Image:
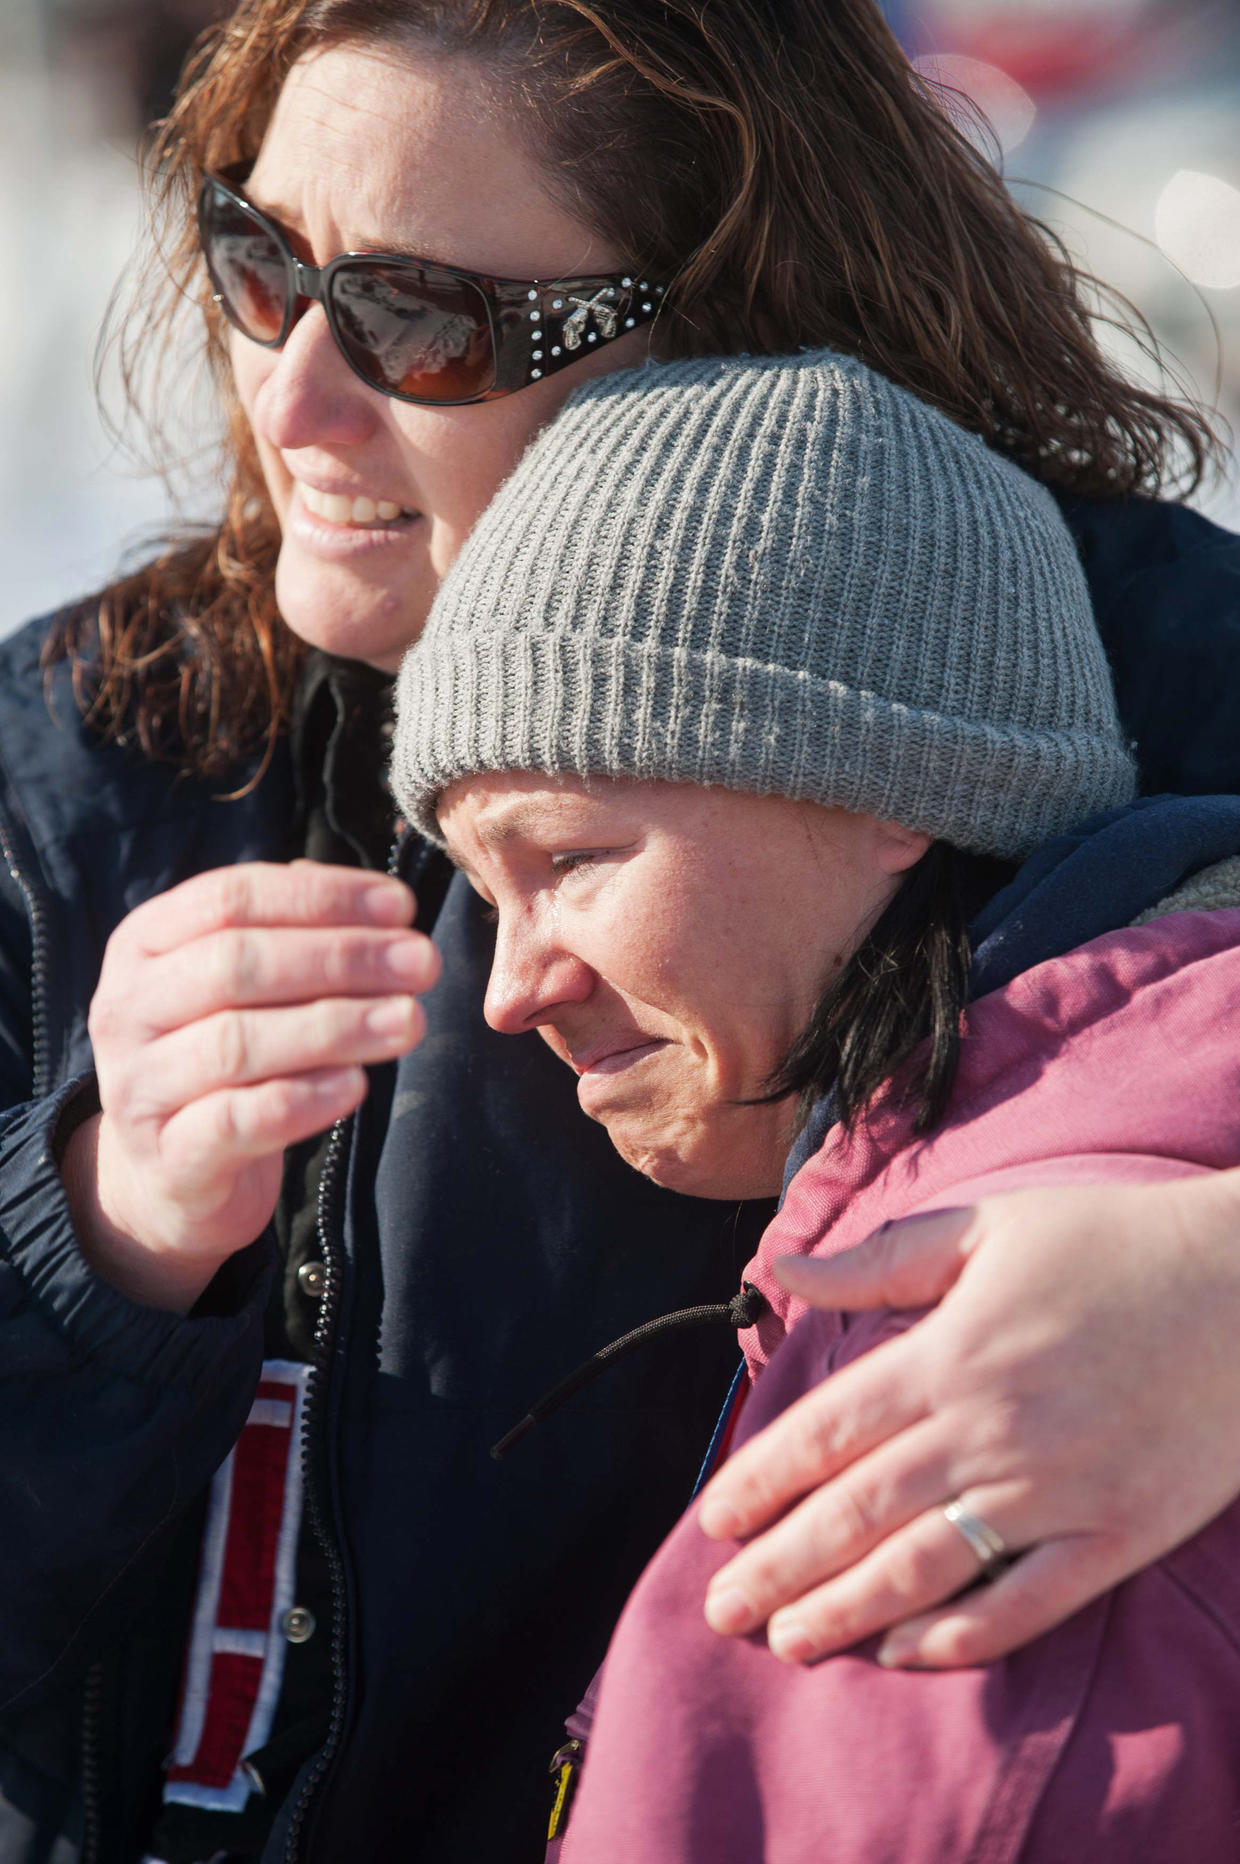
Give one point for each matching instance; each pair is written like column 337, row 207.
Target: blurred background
column 1115, row 121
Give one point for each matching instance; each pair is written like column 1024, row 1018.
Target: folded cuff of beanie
column 572, row 702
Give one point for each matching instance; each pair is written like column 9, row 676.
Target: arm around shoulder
column 710, row 1748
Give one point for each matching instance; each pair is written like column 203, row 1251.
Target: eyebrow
column 514, row 823
column 296, row 233
column 521, row 819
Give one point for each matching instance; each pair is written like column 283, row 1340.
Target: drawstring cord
column 741, row 1311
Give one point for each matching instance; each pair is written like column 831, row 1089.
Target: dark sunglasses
column 421, row 332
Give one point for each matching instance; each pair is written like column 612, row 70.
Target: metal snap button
column 311, row 1277
column 298, row 1624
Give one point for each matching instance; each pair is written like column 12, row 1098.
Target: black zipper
column 92, row 1772
column 330, row 1227
column 39, row 1057
column 317, row 1505
column 40, row 1085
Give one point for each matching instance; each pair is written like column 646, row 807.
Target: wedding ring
column 985, row 1542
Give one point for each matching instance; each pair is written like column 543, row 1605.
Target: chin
column 727, row 1173
column 344, row 613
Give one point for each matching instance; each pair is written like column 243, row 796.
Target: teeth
column 337, row 509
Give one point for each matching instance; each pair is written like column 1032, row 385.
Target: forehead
column 388, row 148
column 503, row 809
column 497, row 808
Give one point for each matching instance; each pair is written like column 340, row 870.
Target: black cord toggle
column 741, row 1311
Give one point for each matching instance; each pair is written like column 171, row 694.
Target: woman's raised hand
column 234, row 1016
column 1078, row 1385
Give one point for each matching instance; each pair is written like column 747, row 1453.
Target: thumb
column 911, row 1262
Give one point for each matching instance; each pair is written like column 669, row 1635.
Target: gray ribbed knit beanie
column 786, row 576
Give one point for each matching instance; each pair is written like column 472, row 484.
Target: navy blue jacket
column 482, row 1237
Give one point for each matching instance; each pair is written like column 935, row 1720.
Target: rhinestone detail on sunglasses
column 398, row 320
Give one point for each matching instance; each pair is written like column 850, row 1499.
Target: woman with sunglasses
column 242, row 1196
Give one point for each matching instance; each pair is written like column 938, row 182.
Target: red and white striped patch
column 235, row 1663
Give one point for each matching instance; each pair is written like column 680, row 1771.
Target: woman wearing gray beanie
column 766, row 708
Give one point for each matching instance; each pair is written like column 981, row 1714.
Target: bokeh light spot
column 1197, row 225
column 1006, row 104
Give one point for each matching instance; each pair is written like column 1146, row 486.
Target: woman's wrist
column 147, row 1273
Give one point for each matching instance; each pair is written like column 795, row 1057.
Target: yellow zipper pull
column 564, row 1769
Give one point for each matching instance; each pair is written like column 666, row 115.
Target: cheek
column 251, row 367
column 655, row 951
column 730, row 997
column 461, row 456
column 674, row 943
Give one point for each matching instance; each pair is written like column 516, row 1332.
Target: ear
column 896, row 848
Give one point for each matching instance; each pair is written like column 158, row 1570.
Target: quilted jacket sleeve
column 112, row 1416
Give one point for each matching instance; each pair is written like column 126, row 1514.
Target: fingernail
column 391, row 1017
column 728, row 1611
column 407, row 959
column 719, row 1521
column 789, row 1641
column 897, row 1653
column 387, row 904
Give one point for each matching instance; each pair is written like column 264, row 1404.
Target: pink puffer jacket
column 1113, row 1739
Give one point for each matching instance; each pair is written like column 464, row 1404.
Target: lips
column 611, row 1077
column 334, row 541
column 345, row 508
column 609, row 1057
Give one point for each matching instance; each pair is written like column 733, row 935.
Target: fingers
column 1038, row 1592
column 909, row 1263
column 238, row 1048
column 1028, row 1368
column 257, row 893
column 235, row 1016
column 831, row 1528
column 858, row 1407
column 203, row 1146
column 919, row 1566
column 245, row 967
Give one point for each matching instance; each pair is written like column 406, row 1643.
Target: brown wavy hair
column 779, row 160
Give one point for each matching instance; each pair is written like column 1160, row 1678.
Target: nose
column 310, row 396
column 532, row 977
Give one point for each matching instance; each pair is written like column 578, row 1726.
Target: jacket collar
column 1103, row 875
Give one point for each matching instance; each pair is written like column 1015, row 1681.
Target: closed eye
column 576, row 860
